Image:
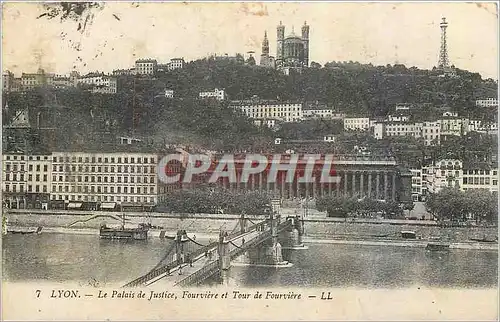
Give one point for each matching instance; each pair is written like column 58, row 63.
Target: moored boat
column 438, row 246
column 135, row 233
column 24, row 230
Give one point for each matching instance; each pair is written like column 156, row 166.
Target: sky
column 377, row 33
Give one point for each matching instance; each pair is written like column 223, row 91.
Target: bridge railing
column 201, row 274
column 164, row 269
column 212, row 266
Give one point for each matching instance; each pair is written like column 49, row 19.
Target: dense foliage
column 352, row 207
column 141, row 108
column 455, row 205
column 218, row 201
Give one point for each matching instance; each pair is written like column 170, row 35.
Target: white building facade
column 146, row 66
column 356, row 123
column 218, row 94
column 487, row 102
column 270, row 110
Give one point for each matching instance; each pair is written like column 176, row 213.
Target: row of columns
column 351, row 183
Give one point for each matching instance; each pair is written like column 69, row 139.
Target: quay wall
column 321, row 228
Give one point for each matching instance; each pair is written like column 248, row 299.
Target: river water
column 84, row 258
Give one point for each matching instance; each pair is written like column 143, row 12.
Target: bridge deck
column 201, row 262
column 203, row 266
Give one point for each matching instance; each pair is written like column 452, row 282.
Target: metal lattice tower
column 443, row 63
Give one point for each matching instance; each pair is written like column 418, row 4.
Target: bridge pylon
column 179, row 247
column 243, row 223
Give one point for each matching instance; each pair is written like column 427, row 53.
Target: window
column 45, row 168
column 30, row 167
column 45, row 177
column 37, row 178
column 495, row 182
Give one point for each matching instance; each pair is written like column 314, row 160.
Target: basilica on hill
column 292, row 51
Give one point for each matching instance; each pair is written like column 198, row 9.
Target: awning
column 137, row 204
column 75, row 205
column 108, row 205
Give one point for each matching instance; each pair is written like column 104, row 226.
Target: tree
column 454, row 205
column 250, row 61
column 315, row 65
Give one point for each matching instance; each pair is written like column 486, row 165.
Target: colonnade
column 375, row 184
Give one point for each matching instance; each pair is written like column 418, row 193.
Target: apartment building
column 322, row 114
column 26, row 180
column 431, row 132
column 105, row 177
column 403, row 129
column 270, row 110
column 444, row 173
column 176, row 63
column 356, row 123
column 454, row 126
column 479, row 176
column 487, row 102
column 417, row 190
column 99, row 83
column 169, row 93
column 146, row 66
column 218, row 94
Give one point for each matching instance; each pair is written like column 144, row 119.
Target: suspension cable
column 172, row 246
column 196, row 242
column 232, row 243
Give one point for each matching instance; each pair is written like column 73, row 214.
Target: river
column 84, row 258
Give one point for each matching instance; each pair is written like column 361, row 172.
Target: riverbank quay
column 317, row 229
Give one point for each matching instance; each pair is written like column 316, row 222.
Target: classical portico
column 373, row 177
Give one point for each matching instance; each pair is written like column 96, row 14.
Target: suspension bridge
column 188, row 262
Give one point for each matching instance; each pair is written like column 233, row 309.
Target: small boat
column 137, row 233
column 438, row 246
column 25, row 231
column 408, row 234
column 484, row 239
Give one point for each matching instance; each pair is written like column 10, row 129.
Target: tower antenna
column 443, row 62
